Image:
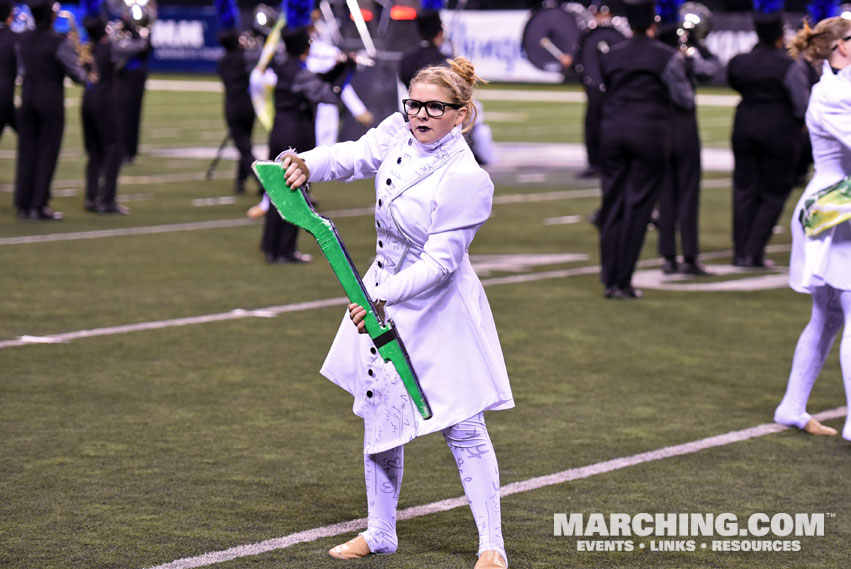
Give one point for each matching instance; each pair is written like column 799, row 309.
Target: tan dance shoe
column 256, row 212
column 490, row 560
column 352, row 549
column 813, row 427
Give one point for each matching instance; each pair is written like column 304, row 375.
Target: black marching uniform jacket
column 644, row 79
column 766, row 143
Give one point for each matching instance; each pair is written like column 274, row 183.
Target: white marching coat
column 825, row 259
column 430, row 201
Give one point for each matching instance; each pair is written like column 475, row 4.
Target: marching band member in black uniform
column 594, row 89
column 766, row 137
column 297, row 93
column 679, row 202
column 100, row 118
column 46, row 57
column 427, row 51
column 644, row 79
column 132, row 77
column 8, row 67
column 234, row 68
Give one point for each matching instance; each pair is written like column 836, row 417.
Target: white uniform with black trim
column 430, row 201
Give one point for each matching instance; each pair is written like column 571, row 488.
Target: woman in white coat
column 431, row 198
column 821, row 264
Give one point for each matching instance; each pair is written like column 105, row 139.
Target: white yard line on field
column 192, row 226
column 272, row 311
column 507, row 490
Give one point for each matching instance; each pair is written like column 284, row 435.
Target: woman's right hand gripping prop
column 296, row 172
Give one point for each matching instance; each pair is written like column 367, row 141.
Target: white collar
column 449, row 140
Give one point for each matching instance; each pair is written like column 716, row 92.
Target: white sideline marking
column 507, row 490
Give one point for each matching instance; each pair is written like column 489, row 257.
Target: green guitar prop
column 296, row 208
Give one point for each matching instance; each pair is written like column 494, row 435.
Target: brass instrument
column 84, row 52
column 130, row 19
column 696, row 22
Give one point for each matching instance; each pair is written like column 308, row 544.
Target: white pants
column 831, row 311
column 473, row 451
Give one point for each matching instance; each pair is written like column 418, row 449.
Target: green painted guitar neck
column 295, row 207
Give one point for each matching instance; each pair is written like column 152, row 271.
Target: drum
column 549, row 31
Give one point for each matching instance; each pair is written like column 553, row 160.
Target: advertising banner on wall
column 184, row 40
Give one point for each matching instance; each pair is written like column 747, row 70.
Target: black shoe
column 90, row 206
column 617, row 293
column 46, row 214
column 23, row 215
column 753, row 263
column 613, row 292
column 589, row 172
column 694, row 268
column 763, row 263
column 670, row 266
column 631, row 292
column 113, row 209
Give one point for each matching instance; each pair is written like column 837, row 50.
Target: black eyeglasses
column 434, row 109
column 846, row 38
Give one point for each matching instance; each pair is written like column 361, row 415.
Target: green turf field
column 137, row 446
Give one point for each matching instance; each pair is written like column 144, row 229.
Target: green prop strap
column 295, row 207
column 827, row 208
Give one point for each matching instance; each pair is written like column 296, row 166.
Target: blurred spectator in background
column 766, row 135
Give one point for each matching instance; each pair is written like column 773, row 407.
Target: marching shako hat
column 42, row 12
column 296, row 40
column 769, row 27
column 429, row 24
column 641, row 14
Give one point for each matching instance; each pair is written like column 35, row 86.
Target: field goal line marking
column 528, row 485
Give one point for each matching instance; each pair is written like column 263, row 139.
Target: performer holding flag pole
column 431, row 199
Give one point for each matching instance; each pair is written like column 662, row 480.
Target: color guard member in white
column 821, row 265
column 431, row 198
